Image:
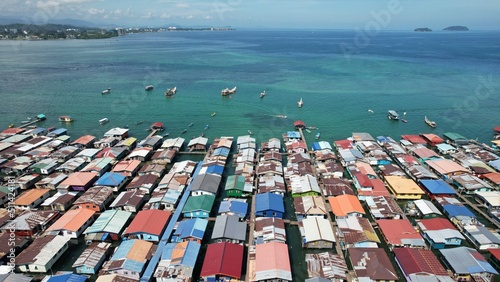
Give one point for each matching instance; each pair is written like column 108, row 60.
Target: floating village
column 164, row 208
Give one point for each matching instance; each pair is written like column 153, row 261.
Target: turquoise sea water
column 451, row 77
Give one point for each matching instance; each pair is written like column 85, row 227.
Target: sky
column 321, row 14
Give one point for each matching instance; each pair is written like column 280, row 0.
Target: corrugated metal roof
column 317, row 229
column 272, row 261
column 194, row 227
column 183, row 253
column 229, row 227
column 426, row 207
column 112, row 179
column 269, row 201
column 224, row 259
column 149, row 222
column 110, row 221
column 465, row 260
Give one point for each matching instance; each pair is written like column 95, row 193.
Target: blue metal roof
column 215, row 169
column 237, row 207
column 495, row 164
column 293, row 134
column 222, row 151
column 454, row 210
column 269, row 201
column 67, row 277
column 316, row 146
column 122, row 252
column 437, row 187
column 58, row 131
column 194, row 227
column 110, row 179
column 383, row 139
column 37, row 130
column 190, row 253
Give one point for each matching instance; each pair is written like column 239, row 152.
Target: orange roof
column 84, row 140
column 72, row 220
column 343, row 205
column 445, row 166
column 28, row 197
column 493, row 177
column 139, row 250
column 130, row 165
column 396, row 229
column 179, row 251
column 79, row 178
column 365, row 168
column 271, row 256
column 149, row 221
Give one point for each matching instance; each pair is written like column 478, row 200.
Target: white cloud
column 94, row 11
column 189, row 17
column 165, row 16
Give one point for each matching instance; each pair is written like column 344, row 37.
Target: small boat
column 28, row 118
column 312, row 127
column 300, row 103
column 11, row 125
column 227, row 91
column 430, row 122
column 139, row 122
column 191, row 124
column 250, row 132
column 370, row 111
column 262, row 94
column 184, row 131
column 25, row 121
column 66, row 119
column 103, row 120
column 318, row 135
column 308, row 130
column 392, row 115
column 166, row 134
column 404, row 120
column 158, row 126
column 213, row 114
column 149, row 87
column 107, row 91
column 281, row 116
column 206, row 127
column 202, row 134
column 171, row 91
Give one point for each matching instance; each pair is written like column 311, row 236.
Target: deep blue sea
column 452, row 77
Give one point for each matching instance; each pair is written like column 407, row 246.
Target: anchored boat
column 300, row 103
column 391, row 114
column 430, row 122
column 227, row 91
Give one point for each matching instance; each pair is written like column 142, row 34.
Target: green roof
column 235, row 182
column 5, row 189
column 196, row 203
column 454, row 136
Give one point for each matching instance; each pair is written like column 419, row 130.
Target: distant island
column 423, row 29
column 456, row 28
column 61, row 31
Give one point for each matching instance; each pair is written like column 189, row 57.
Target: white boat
column 107, row 91
column 250, row 132
column 308, row 130
column 430, row 122
column 262, row 94
column 149, row 87
column 227, row 91
column 171, row 91
column 66, row 119
column 318, row 135
column 393, row 115
column 300, row 103
column 370, row 111
column 103, row 120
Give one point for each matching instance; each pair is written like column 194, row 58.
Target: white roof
column 198, row 140
column 47, row 252
column 426, row 207
column 492, row 197
column 173, row 142
column 56, row 196
column 303, row 184
column 440, row 236
column 317, row 228
column 116, row 131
